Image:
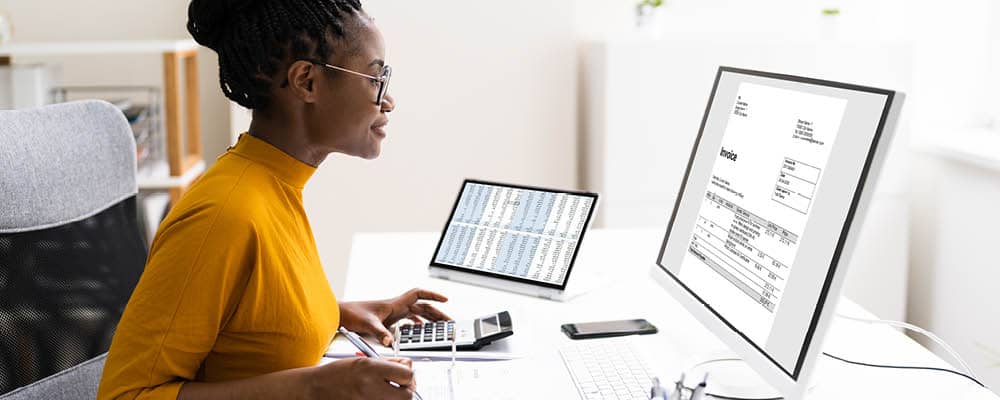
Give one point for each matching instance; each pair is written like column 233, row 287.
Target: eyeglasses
column 382, row 78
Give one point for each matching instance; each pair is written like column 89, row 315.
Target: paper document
column 496, row 380
column 769, row 167
column 471, row 380
column 341, row 348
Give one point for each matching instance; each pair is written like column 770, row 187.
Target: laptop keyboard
column 607, row 370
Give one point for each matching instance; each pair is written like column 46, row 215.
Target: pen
column 368, row 351
column 699, row 391
column 395, row 342
column 657, row 392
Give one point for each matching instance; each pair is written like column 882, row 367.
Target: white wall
column 881, row 19
column 953, row 66
column 953, row 269
column 954, row 274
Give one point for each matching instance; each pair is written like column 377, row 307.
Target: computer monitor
column 763, row 224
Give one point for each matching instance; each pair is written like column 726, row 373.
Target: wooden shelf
column 157, row 177
column 17, row 49
column 184, row 153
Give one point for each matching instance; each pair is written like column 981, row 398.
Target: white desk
column 386, row 264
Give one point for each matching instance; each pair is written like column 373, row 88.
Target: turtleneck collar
column 287, row 168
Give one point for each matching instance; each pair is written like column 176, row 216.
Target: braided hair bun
column 254, row 37
column 207, row 19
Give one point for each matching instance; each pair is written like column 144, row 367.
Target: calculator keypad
column 440, row 331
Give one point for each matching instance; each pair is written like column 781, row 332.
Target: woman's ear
column 301, row 80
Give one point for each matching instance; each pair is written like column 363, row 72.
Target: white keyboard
column 607, row 369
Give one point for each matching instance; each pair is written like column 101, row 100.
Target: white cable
column 954, row 354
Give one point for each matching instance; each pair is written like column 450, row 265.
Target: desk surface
column 619, row 261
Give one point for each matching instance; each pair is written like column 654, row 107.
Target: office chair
column 70, row 247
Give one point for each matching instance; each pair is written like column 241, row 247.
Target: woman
column 233, row 302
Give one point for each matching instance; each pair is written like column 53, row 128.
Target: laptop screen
column 518, row 233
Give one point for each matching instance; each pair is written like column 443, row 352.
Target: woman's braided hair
column 254, row 37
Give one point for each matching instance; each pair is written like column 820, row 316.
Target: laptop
column 516, row 238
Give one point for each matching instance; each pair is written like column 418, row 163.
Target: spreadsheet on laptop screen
column 525, row 233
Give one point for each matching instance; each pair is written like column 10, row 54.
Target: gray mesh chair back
column 70, row 247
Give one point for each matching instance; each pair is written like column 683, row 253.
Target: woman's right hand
column 363, row 378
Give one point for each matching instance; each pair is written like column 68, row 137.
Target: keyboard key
column 607, row 370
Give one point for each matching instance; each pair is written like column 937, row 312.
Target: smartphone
column 588, row 330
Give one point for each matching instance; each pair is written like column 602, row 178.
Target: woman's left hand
column 375, row 317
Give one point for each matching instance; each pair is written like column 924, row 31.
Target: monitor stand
column 730, row 377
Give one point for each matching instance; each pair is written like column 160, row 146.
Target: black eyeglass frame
column 382, row 78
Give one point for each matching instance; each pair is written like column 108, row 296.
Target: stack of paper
column 471, row 380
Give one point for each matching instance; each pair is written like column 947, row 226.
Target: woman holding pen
column 233, row 303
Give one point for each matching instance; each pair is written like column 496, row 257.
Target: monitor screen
column 769, row 193
column 517, row 233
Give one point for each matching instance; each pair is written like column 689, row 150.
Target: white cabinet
column 642, row 106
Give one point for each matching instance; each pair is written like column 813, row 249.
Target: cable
column 954, row 354
column 865, row 364
column 951, row 371
column 951, row 351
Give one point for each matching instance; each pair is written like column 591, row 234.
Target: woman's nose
column 388, row 103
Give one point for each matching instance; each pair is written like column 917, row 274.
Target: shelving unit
column 183, row 159
column 142, row 106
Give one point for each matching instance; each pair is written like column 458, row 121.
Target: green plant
column 651, row 3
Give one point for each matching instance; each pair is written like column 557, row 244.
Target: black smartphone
column 588, row 330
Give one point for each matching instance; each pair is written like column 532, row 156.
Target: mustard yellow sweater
column 233, row 286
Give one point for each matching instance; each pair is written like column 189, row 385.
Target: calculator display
column 489, row 326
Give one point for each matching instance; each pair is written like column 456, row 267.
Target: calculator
column 468, row 335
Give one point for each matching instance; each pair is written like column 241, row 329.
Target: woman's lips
column 379, row 129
